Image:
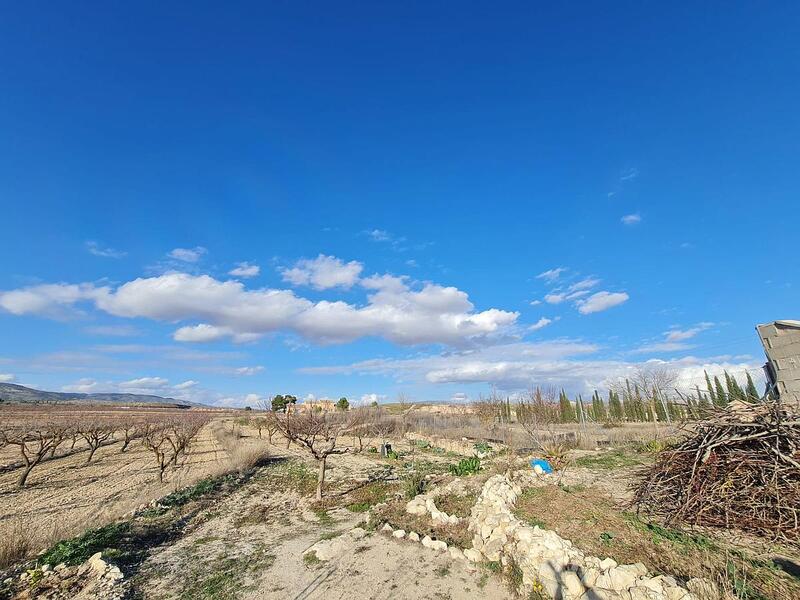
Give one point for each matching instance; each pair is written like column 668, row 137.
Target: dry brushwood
column 738, row 468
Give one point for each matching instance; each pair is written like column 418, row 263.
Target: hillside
column 10, row 392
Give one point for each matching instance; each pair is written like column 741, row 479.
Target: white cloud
column 394, row 311
column 248, row 371
column 145, row 383
column 679, row 335
column 6, row 377
column 601, row 301
column 379, row 235
column 662, row 347
column 368, row 399
column 98, row 250
column 518, row 366
column 82, row 386
column 541, row 323
column 189, row 255
column 629, row 174
column 189, row 383
column 323, row 272
column 551, row 275
column 535, row 302
column 245, row 270
column 633, row 219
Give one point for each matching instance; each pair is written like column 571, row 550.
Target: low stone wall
column 426, row 503
column 550, row 561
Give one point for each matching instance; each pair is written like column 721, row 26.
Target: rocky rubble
column 547, row 559
column 95, row 579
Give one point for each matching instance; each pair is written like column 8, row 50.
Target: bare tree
column 128, row 427
column 317, row 432
column 155, row 438
column 95, row 432
column 537, row 412
column 33, row 439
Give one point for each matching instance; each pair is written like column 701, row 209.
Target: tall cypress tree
column 720, row 397
column 566, row 412
column 735, row 392
column 710, row 388
column 614, row 406
column 750, row 391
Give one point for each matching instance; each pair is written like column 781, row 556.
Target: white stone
column 438, row 545
column 456, row 553
column 357, row 533
column 572, row 586
column 473, row 555
column 607, row 563
column 413, row 536
column 387, row 528
column 399, row 533
column 426, row 541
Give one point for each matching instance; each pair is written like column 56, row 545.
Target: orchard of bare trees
column 39, row 434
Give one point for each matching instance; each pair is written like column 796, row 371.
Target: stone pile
column 423, row 504
column 549, row 560
column 95, row 579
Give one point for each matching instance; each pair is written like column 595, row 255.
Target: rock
column 426, row 541
column 8, row 581
column 97, row 564
column 413, row 536
column 61, row 566
column 399, row 533
column 46, row 568
column 622, row 578
column 473, row 555
column 438, row 545
column 114, row 574
column 456, row 553
column 572, row 586
column 387, row 528
column 607, row 563
column 357, row 533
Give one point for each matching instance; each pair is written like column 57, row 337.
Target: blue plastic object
column 542, row 464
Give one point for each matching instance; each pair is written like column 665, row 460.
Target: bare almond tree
column 317, row 432
column 34, row 439
column 95, row 432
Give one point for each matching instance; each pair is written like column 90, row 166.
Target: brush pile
column 738, row 468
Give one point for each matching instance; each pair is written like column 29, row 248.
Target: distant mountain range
column 11, row 392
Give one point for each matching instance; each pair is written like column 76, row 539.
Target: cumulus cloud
column 323, row 272
column 601, row 301
column 395, row 310
column 6, row 377
column 189, row 255
column 98, row 250
column 633, row 219
column 368, row 399
column 245, row 270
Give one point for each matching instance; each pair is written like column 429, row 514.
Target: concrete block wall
column 781, row 341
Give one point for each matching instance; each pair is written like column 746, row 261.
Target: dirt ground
column 253, row 546
column 64, row 496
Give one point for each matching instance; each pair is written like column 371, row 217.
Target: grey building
column 781, row 341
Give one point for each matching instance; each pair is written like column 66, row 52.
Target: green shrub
column 413, row 485
column 482, row 447
column 466, row 466
column 78, row 549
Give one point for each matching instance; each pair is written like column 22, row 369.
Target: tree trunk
column 23, row 477
column 321, row 477
column 91, row 454
column 124, row 445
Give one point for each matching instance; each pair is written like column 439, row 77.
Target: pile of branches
column 738, row 468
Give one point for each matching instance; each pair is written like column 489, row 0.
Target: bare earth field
column 251, row 529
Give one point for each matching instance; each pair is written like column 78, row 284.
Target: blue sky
column 222, row 202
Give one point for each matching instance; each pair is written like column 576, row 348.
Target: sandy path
column 269, row 551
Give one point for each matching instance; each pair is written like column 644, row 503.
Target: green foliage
column 79, row 549
column 751, row 392
column 311, row 559
column 343, row 404
column 482, row 447
column 280, row 402
column 565, row 409
column 413, row 485
column 466, row 466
